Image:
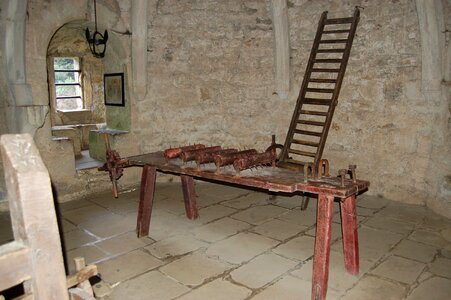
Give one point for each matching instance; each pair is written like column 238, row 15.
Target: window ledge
column 110, row 131
column 69, row 111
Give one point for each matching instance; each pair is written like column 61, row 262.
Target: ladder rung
column 336, row 31
column 335, row 50
column 338, row 41
column 339, row 21
column 322, row 80
column 325, row 70
column 291, row 164
column 306, row 143
column 307, row 132
column 328, row 60
column 308, row 122
column 314, row 112
column 303, row 153
column 317, row 101
column 316, row 90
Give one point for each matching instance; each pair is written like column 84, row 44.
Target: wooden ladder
column 319, row 92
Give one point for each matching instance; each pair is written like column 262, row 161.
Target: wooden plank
column 14, row 264
column 317, row 101
column 82, row 275
column 33, row 215
column 322, row 80
column 323, row 237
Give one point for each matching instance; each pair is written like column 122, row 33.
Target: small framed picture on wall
column 114, row 89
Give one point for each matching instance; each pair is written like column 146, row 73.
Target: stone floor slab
column 259, row 214
column 213, row 212
column 381, row 221
column 85, row 213
column 373, row 243
column 218, row 289
column 441, row 267
column 300, row 217
column 219, row 230
column 278, row 229
column 108, row 225
column 288, row 288
column 90, row 253
column 126, row 266
column 175, row 245
column 262, row 270
column 434, row 288
column 241, row 247
column 339, row 279
column 122, row 243
column 77, row 238
column 299, row 248
column 415, row 250
column 373, row 288
column 246, row 201
column 428, row 237
column 370, row 201
column 194, row 269
column 149, row 286
column 399, row 269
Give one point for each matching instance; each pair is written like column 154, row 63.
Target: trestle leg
column 189, row 196
column 350, row 236
column 146, row 200
column 322, row 246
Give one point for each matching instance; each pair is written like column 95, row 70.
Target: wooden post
column 146, row 200
column 350, row 237
column 324, row 216
column 281, row 47
column 33, row 215
column 189, row 196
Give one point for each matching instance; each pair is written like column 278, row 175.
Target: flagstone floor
column 249, row 245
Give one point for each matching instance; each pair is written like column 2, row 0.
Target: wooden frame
column 113, row 85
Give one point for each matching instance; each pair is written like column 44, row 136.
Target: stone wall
column 211, row 80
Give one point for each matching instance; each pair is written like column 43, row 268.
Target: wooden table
column 272, row 179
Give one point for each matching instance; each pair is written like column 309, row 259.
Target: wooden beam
column 14, row 265
column 33, row 215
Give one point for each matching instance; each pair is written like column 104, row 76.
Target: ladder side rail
column 315, row 46
column 340, row 77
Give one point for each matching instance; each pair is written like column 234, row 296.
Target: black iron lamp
column 97, row 43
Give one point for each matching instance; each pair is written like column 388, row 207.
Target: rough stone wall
column 210, row 74
column 211, row 81
column 382, row 121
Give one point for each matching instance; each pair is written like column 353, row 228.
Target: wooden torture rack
column 298, row 168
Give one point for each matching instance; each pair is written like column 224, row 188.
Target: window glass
column 68, row 88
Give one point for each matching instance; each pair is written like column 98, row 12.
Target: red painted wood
column 322, row 246
column 350, row 236
column 189, row 195
column 146, row 200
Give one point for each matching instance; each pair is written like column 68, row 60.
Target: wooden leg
column 146, row 200
column 189, row 195
column 350, row 237
column 322, row 246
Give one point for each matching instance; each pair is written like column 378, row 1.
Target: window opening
column 68, row 89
